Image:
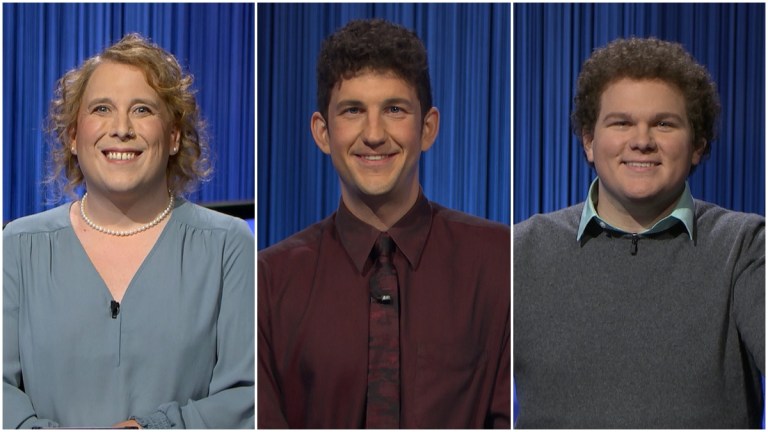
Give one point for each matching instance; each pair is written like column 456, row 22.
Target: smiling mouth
column 641, row 164
column 121, row 155
column 374, row 158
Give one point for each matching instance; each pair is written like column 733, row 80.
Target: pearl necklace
column 126, row 233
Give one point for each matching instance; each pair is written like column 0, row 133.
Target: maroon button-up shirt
column 313, row 299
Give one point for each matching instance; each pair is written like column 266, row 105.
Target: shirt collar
column 683, row 212
column 409, row 233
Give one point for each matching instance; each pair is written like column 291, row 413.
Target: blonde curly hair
column 164, row 74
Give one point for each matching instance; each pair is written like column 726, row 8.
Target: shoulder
column 467, row 224
column 715, row 221
column 292, row 262
column 305, row 242
column 469, row 241
column 561, row 223
column 48, row 221
column 203, row 231
column 198, row 217
column 712, row 214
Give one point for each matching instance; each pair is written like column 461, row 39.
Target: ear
column 698, row 152
column 175, row 140
column 429, row 128
column 587, row 139
column 320, row 132
column 72, row 133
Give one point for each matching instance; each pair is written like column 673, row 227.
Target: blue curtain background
column 213, row 42
column 467, row 169
column 551, row 41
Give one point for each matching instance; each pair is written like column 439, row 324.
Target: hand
column 128, row 424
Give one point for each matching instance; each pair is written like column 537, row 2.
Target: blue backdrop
column 468, row 168
column 551, row 41
column 214, row 42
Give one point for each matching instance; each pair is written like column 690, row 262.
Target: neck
column 120, row 212
column 634, row 217
column 381, row 212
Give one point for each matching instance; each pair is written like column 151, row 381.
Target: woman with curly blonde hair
column 129, row 306
column 187, row 166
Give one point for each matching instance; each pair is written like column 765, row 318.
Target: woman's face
column 124, row 133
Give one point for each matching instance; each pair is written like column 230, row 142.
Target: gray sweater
column 670, row 337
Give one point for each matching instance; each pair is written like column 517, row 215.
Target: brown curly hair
column 647, row 59
column 164, row 74
column 377, row 45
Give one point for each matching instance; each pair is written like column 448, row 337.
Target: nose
column 374, row 133
column 643, row 139
column 122, row 128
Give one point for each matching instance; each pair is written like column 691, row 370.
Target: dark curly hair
column 372, row 44
column 164, row 74
column 651, row 58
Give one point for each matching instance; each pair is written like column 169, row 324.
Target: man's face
column 642, row 146
column 375, row 135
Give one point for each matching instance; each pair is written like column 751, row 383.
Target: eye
column 665, row 124
column 142, row 109
column 100, row 109
column 395, row 110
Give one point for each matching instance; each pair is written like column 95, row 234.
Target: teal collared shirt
column 683, row 212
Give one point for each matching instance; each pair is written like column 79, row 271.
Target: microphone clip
column 114, row 307
column 384, row 299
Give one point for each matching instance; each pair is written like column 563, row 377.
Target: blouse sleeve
column 18, row 411
column 230, row 400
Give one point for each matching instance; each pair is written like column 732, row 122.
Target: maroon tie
column 383, row 404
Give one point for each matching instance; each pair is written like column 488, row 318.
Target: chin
column 375, row 192
column 644, row 198
column 373, row 188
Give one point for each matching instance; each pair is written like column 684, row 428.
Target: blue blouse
column 178, row 354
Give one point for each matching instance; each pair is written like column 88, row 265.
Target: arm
column 499, row 415
column 749, row 294
column 18, row 411
column 230, row 398
column 271, row 414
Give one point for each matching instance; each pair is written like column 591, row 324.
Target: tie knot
column 384, row 247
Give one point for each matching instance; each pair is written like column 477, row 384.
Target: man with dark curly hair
column 641, row 307
column 394, row 311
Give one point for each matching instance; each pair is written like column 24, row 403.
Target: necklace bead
column 125, row 233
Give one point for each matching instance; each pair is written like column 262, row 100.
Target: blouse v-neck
column 97, row 275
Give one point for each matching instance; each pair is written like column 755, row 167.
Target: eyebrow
column 348, row 103
column 398, row 101
column 657, row 116
column 390, row 101
column 663, row 115
column 617, row 114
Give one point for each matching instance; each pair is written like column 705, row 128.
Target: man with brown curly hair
column 394, row 311
column 641, row 307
